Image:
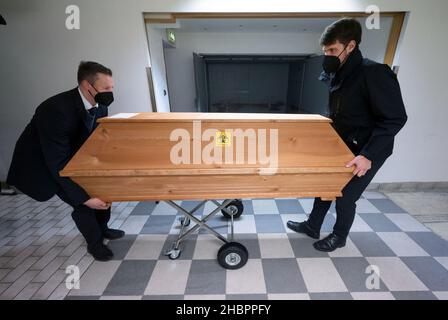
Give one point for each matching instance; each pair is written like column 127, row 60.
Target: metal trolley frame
column 232, row 255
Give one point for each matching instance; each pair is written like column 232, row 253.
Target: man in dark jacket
column 59, row 127
column 367, row 110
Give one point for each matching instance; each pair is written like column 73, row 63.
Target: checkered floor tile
column 40, row 246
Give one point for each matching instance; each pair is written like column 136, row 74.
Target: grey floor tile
column 165, row 209
column 121, row 298
column 429, row 271
column 18, row 285
column 250, row 241
column 353, row 272
column 414, row 295
column 206, row 277
column 331, row 296
column 379, row 222
column 386, row 206
column 206, row 297
column 328, row 224
column 158, row 225
column 289, row 206
column 302, row 246
column 28, row 291
column 143, row 208
column 82, row 298
column 373, row 295
column 120, row 247
column 370, row 244
column 131, row 278
column 164, row 297
column 373, row 195
column 246, row 297
column 134, row 224
column 283, row 276
column 191, row 204
column 44, row 233
column 248, row 207
column 431, row 243
column 269, row 223
column 218, row 223
column 187, row 247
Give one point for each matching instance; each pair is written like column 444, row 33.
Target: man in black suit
column 59, row 127
column 367, row 110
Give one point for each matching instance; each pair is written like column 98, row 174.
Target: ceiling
column 293, row 25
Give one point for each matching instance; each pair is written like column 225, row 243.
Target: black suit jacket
column 366, row 106
column 57, row 130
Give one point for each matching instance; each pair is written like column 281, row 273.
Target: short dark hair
column 343, row 30
column 88, row 70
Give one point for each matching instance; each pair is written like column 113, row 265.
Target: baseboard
column 409, row 186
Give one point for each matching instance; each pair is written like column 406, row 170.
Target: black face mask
column 103, row 98
column 332, row 63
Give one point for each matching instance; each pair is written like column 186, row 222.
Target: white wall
column 157, row 61
column 39, row 57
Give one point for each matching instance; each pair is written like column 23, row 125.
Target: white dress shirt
column 86, row 102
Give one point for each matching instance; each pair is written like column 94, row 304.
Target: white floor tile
column 274, row 245
column 265, row 206
column 146, row 247
column 402, row 245
column 247, row 280
column 320, row 275
column 407, row 223
column 396, row 275
column 169, row 277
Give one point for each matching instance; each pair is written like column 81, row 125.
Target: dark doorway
column 249, row 83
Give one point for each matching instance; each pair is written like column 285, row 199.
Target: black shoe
column 112, row 234
column 101, row 253
column 303, row 227
column 330, row 243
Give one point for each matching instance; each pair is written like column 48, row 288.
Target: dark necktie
column 93, row 116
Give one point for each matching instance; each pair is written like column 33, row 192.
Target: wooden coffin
column 179, row 156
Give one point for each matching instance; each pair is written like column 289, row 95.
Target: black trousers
column 90, row 222
column 345, row 205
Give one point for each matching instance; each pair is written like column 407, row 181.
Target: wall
column 155, row 40
column 38, row 58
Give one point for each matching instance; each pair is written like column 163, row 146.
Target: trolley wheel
column 233, row 255
column 235, row 207
column 184, row 222
column 174, row 254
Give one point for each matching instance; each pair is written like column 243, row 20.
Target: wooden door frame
column 392, row 44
